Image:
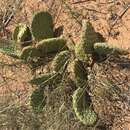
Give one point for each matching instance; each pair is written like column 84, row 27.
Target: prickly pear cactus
column 85, row 48
column 51, row 45
column 59, row 60
column 16, row 32
column 22, row 35
column 46, row 79
column 82, row 107
column 80, row 52
column 37, row 100
column 39, row 80
column 42, row 26
column 102, row 48
column 88, row 36
column 29, row 52
column 105, row 49
column 120, row 51
column 81, row 74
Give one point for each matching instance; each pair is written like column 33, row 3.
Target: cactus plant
column 29, row 52
column 41, row 79
column 22, row 35
column 105, row 49
column 59, row 60
column 46, row 79
column 42, row 26
column 120, row 51
column 85, row 48
column 16, row 32
column 82, row 107
column 102, row 48
column 88, row 36
column 37, row 100
column 81, row 74
column 80, row 52
column 51, row 45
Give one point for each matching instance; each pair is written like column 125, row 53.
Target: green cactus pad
column 40, row 79
column 16, row 32
column 42, row 26
column 46, row 79
column 22, row 35
column 104, row 49
column 82, row 107
column 9, row 48
column 85, row 48
column 59, row 60
column 81, row 74
column 37, row 100
column 51, row 45
column 80, row 52
column 29, row 52
column 88, row 36
column 120, row 51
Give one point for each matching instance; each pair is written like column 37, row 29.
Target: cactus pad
column 60, row 59
column 104, row 49
column 29, row 52
column 82, row 107
column 88, row 36
column 46, row 79
column 16, row 32
column 85, row 48
column 22, row 34
column 120, row 51
column 81, row 74
column 37, row 100
column 80, row 52
column 41, row 79
column 51, row 45
column 42, row 26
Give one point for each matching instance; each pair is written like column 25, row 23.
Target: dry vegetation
column 111, row 18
